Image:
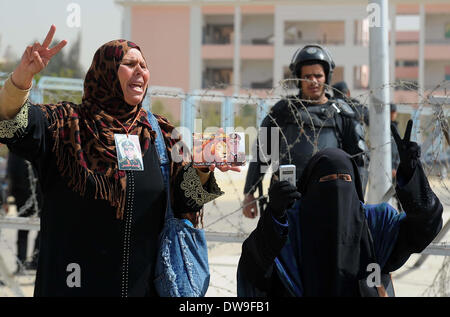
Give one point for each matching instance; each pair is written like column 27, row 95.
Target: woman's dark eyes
column 332, row 177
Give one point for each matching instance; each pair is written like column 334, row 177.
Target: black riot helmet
column 310, row 54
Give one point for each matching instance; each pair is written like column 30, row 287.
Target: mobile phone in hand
column 287, row 173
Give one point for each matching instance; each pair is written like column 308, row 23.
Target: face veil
column 335, row 246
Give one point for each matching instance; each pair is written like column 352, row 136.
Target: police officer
column 307, row 123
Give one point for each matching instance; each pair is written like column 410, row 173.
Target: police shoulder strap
column 343, row 108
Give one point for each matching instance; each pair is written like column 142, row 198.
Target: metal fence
column 224, row 223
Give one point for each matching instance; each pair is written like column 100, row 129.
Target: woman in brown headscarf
column 99, row 224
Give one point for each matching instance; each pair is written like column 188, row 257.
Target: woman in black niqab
column 335, row 245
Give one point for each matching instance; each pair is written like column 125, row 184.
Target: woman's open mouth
column 137, row 87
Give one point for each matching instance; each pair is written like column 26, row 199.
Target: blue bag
column 182, row 268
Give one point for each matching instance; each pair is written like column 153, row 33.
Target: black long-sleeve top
column 415, row 229
column 350, row 135
column 80, row 234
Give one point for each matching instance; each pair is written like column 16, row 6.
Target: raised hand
column 282, row 196
column 409, row 151
column 250, row 209
column 35, row 58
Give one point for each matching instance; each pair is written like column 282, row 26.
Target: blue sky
column 23, row 21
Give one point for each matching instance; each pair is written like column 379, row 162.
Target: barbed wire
column 225, row 212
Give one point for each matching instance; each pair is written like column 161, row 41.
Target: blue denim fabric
column 182, row 268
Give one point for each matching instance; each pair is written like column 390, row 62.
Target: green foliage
column 65, row 63
column 9, row 66
column 246, row 116
column 210, row 114
column 158, row 107
column 55, row 96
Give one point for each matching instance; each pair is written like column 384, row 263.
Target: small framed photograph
column 219, row 149
column 129, row 154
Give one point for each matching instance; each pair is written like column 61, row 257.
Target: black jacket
column 257, row 275
column 333, row 124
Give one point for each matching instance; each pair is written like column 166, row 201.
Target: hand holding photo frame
column 218, row 149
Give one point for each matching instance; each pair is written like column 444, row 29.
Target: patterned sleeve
column 15, row 128
column 25, row 134
column 188, row 193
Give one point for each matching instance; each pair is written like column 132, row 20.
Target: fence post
column 262, row 110
column 187, row 117
column 416, row 126
column 37, row 94
column 147, row 102
column 227, row 113
column 380, row 177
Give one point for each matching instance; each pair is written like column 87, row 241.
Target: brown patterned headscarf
column 84, row 134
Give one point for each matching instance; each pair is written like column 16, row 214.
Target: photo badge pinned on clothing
column 129, row 154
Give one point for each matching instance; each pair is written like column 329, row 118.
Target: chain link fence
column 224, row 222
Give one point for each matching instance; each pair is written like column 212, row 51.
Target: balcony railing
column 218, row 34
column 217, row 77
column 259, row 41
column 427, row 41
column 412, row 42
column 438, row 41
column 332, row 42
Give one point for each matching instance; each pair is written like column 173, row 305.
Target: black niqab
column 335, row 243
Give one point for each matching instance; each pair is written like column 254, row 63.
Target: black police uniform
column 306, row 128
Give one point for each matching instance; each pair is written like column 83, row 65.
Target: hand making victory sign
column 409, row 151
column 35, row 58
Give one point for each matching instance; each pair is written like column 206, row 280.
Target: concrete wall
column 163, row 34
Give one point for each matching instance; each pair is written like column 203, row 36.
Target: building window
column 361, row 77
column 218, row 34
column 361, row 28
column 217, row 77
column 320, row 32
column 406, row 63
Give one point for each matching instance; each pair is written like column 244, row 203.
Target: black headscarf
column 335, row 246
